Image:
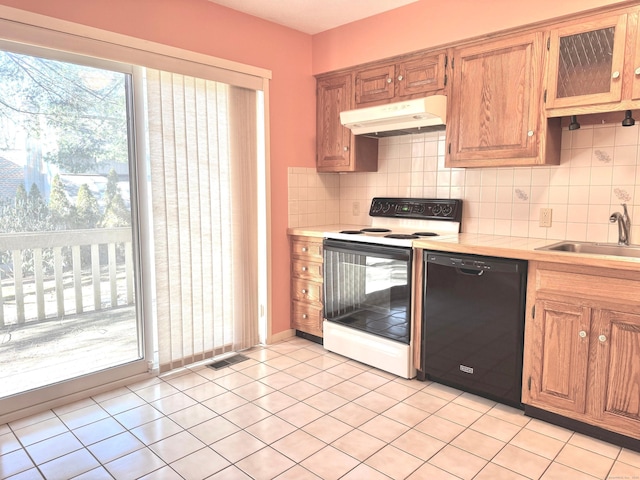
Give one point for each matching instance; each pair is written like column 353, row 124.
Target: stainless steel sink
column 594, row 248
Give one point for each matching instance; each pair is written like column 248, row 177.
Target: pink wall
column 204, row 27
column 429, row 23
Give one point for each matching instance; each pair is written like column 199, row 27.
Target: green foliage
column 21, row 196
column 79, row 110
column 26, row 213
column 30, row 213
column 62, row 212
column 116, row 214
column 87, row 209
column 112, row 184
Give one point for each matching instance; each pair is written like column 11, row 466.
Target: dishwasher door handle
column 468, row 271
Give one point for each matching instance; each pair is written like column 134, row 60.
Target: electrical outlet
column 356, row 209
column 545, row 217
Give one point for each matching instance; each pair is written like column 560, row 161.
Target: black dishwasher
column 473, row 324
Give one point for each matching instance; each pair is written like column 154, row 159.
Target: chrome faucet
column 624, row 225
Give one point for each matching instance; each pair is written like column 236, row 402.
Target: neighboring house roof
column 11, row 175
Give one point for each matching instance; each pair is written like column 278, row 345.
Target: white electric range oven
column 368, row 280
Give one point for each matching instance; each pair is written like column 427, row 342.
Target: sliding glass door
column 70, row 316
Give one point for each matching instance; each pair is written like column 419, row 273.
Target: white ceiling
column 312, row 16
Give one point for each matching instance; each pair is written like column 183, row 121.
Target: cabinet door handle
column 304, row 249
column 637, row 71
column 582, row 334
column 615, row 74
column 304, row 269
column 530, row 133
column 400, row 78
column 305, row 316
column 345, row 148
column 602, row 338
column 304, row 291
column 389, row 80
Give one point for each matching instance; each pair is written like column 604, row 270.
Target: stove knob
column 437, row 209
column 385, row 207
column 377, row 206
column 447, row 210
column 419, row 209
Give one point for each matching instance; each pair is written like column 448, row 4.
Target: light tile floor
column 296, row 411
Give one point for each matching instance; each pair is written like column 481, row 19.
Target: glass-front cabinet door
column 586, row 63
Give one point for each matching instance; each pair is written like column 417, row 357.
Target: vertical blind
column 203, row 157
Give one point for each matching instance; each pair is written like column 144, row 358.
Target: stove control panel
column 420, row 208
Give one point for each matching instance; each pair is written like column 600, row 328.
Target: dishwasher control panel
column 466, row 263
column 471, row 262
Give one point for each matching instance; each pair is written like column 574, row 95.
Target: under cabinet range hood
column 409, row 116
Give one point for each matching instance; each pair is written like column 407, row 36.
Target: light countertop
column 494, row 245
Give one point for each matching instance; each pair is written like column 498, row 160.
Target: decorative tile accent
column 602, row 156
column 622, row 195
column 521, row 195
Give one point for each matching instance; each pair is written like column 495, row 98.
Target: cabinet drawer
column 307, row 317
column 307, row 290
column 301, row 268
column 306, row 248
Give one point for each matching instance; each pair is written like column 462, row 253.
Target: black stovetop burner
column 402, row 236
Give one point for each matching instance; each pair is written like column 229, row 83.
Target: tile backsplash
column 599, row 170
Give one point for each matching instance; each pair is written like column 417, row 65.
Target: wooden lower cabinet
column 560, row 366
column 306, row 284
column 582, row 345
column 616, row 376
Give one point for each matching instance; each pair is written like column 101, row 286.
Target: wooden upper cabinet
column 338, row 150
column 586, row 62
column 334, row 140
column 410, row 77
column 418, row 76
column 634, row 52
column 375, row 85
column 594, row 65
column 495, row 113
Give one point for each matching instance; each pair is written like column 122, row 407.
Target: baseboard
column 280, row 336
column 310, row 337
column 584, row 428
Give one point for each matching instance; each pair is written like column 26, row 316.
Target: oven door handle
column 360, row 248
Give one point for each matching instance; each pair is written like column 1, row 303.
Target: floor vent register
column 232, row 360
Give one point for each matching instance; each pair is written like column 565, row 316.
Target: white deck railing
column 80, row 288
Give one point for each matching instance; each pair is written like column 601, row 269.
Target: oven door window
column 368, row 288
